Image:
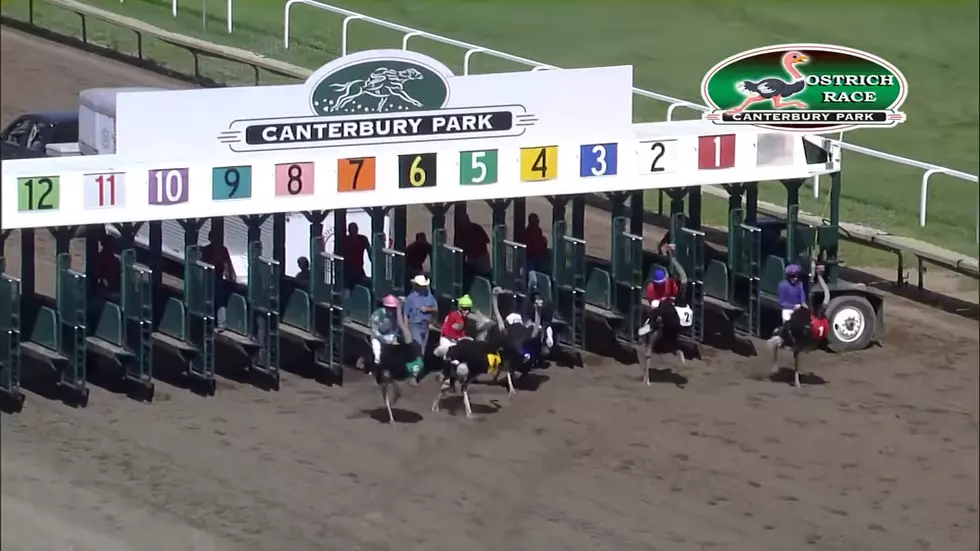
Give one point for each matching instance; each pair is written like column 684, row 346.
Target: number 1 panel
column 294, row 179
column 715, row 152
column 105, row 190
column 231, row 182
column 356, row 174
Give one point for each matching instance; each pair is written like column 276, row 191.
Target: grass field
column 670, row 44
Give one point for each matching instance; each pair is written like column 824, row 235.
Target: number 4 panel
column 539, row 163
column 294, row 179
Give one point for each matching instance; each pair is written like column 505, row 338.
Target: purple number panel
column 168, row 186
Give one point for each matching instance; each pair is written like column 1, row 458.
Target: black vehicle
column 29, row 135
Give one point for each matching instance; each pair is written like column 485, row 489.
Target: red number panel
column 716, row 152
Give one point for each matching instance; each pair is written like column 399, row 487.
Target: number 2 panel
column 356, row 174
column 294, row 179
column 231, row 182
column 716, row 152
column 38, row 193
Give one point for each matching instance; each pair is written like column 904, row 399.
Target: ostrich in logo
column 382, row 83
column 776, row 89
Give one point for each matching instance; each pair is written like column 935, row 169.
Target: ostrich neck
column 793, row 72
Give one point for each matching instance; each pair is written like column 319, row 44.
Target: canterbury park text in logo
column 805, row 87
column 374, row 97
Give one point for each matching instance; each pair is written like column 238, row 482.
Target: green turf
column 670, row 44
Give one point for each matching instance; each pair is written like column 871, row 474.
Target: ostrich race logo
column 805, row 88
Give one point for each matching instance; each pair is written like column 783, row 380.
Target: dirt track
column 884, row 457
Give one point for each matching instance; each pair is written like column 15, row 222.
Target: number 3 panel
column 231, row 182
column 356, row 174
column 294, row 179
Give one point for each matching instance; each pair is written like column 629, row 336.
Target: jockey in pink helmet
column 384, row 325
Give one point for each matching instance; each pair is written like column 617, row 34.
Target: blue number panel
column 598, row 160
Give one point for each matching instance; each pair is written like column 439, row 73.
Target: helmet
column 659, row 275
column 792, row 269
column 389, row 301
column 465, row 302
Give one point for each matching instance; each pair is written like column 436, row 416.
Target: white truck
column 97, row 136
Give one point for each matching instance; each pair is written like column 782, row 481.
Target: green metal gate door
column 744, row 257
column 327, row 287
column 627, row 273
column 199, row 299
column 137, row 307
column 263, row 304
column 447, row 267
column 568, row 265
column 509, row 261
column 387, row 269
column 72, row 300
column 9, row 334
column 690, row 253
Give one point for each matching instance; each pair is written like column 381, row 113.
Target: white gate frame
column 471, row 49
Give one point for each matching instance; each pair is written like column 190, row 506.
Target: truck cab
column 29, row 135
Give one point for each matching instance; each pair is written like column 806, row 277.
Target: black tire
column 852, row 323
column 83, row 398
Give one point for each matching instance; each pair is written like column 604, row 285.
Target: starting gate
column 387, row 269
column 568, row 269
column 744, row 257
column 509, row 261
column 199, row 312
column 627, row 273
column 72, row 300
column 137, row 311
column 327, row 291
column 9, row 334
column 447, row 267
column 263, row 304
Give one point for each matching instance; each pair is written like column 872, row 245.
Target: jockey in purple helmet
column 791, row 292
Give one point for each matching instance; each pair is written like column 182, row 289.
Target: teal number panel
column 231, row 182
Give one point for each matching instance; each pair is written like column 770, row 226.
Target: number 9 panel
column 231, row 182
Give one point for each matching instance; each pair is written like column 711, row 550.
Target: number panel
column 106, row 190
column 231, row 182
column 417, row 170
column 294, row 179
column 716, row 152
column 168, row 186
column 657, row 157
column 38, row 193
column 477, row 168
column 539, row 163
column 357, row 174
column 598, row 160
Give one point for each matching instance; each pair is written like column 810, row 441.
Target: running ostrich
column 776, row 89
column 804, row 331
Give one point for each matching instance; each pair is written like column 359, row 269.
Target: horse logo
column 380, row 86
column 383, row 83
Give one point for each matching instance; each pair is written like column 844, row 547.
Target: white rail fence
column 229, row 11
column 929, row 169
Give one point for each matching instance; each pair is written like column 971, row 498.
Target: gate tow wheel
column 852, row 323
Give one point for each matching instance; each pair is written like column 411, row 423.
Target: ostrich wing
column 771, row 87
column 793, row 88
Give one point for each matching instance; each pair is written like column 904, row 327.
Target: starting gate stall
column 10, row 340
column 382, row 128
column 124, row 324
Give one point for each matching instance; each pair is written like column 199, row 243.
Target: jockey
column 384, row 326
column 791, row 292
column 454, row 326
column 534, row 301
column 662, row 286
